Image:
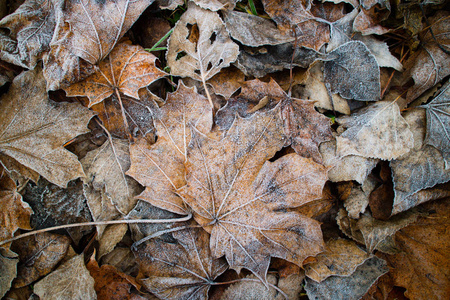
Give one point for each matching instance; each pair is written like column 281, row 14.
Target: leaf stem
column 110, row 222
column 159, row 233
column 207, row 94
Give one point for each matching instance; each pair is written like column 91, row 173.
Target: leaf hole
column 209, row 66
column 193, row 33
column 212, row 38
column 198, row 72
column 180, row 55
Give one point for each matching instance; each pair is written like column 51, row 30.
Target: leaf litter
column 337, row 185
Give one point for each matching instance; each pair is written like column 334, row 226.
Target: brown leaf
column 111, row 283
column 311, row 32
column 180, row 269
column 70, row 281
column 15, row 213
column 34, row 129
column 203, row 56
column 127, row 69
column 87, row 31
column 160, row 167
column 430, row 64
column 358, row 200
column 236, row 194
column 8, row 269
column 422, row 265
column 31, row 29
column 38, row 256
column 227, row 82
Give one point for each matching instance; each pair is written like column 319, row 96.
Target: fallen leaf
column 430, row 64
column 358, row 200
column 180, row 269
column 353, row 72
column 340, row 258
column 311, row 32
column 370, row 16
column 438, row 122
column 422, row 265
column 16, row 213
column 216, row 5
column 38, row 255
column 382, row 197
column 238, row 197
column 203, row 56
column 8, row 270
column 160, row 167
column 250, row 287
column 111, row 283
column 127, row 69
column 34, row 129
column 169, row 4
column 31, row 29
column 376, row 131
column 342, row 30
column 105, row 167
column 227, row 82
column 380, row 51
column 348, row 287
column 254, row 31
column 70, row 281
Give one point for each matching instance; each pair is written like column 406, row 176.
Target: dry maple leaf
column 33, row 129
column 200, row 45
column 160, row 167
column 15, row 212
column 237, row 194
column 184, row 269
column 31, row 29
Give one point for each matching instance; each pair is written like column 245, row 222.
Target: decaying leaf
column 15, row 212
column 376, row 131
column 180, row 269
column 236, row 194
column 70, row 281
column 341, row 258
column 31, row 29
column 311, row 32
column 33, row 129
column 351, row 287
column 38, row 256
column 353, row 72
column 160, row 167
column 422, row 265
column 431, row 64
column 127, row 69
column 200, row 45
column 358, row 200
column 438, row 123
column 8, row 270
column 227, row 82
column 88, row 30
column 105, row 167
column 254, row 31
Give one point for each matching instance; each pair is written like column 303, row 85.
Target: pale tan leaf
column 8, row 270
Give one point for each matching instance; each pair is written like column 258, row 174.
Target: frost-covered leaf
column 380, row 51
column 254, row 31
column 358, row 200
column 438, row 122
column 183, row 268
column 70, row 281
column 340, row 258
column 31, row 29
column 227, row 82
column 351, row 287
column 33, row 129
column 377, row 131
column 353, row 72
column 8, row 270
column 200, row 45
column 216, row 5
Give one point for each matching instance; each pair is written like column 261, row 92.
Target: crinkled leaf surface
column 438, row 121
column 431, row 64
column 8, row 270
column 216, row 5
column 38, row 256
column 227, row 81
column 422, row 265
column 250, row 287
column 254, row 31
column 70, row 281
column 15, row 212
column 105, row 167
column 127, row 69
column 200, row 45
column 31, row 29
column 376, row 131
column 348, row 287
column 341, row 258
column 236, row 194
column 358, row 200
column 33, row 129
column 160, row 167
column 353, row 72
column 180, row 269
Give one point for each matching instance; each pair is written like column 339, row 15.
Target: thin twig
column 159, row 233
column 111, row 222
column 291, row 77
